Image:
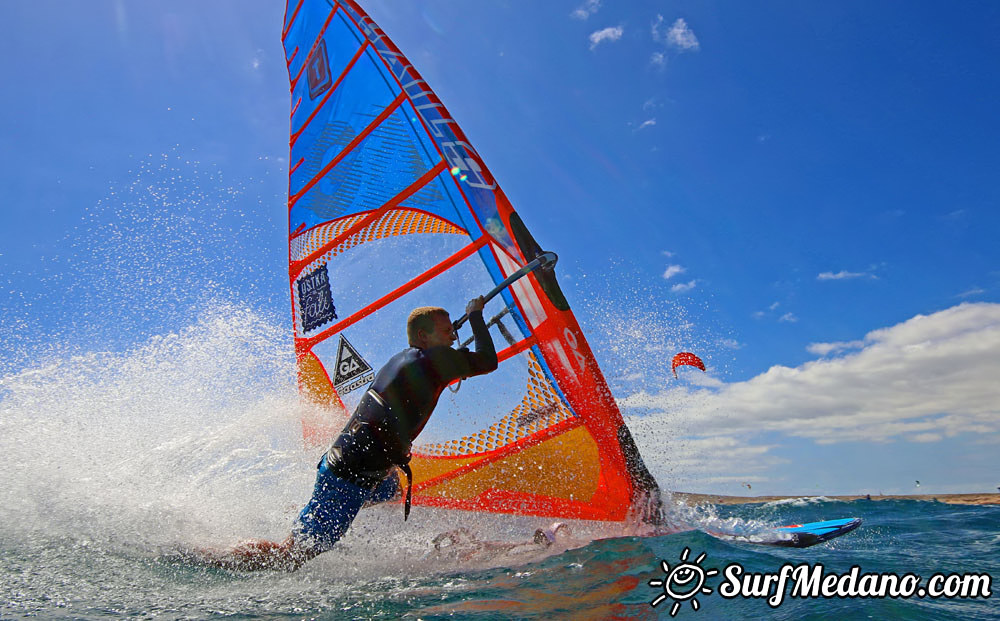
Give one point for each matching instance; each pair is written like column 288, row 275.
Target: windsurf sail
column 390, row 208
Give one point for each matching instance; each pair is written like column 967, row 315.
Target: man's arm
column 485, row 358
column 451, row 364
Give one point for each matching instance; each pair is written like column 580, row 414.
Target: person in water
column 360, row 466
column 462, row 545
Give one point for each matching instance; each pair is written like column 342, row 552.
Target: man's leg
column 328, row 514
column 386, row 490
column 321, row 523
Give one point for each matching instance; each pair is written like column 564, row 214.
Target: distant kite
column 686, row 358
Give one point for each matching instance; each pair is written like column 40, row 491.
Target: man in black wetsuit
column 360, row 465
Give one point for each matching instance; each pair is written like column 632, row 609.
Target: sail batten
column 398, row 293
column 288, row 26
column 295, row 135
column 316, row 45
column 370, row 218
column 376, row 122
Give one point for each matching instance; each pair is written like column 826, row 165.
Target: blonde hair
column 421, row 319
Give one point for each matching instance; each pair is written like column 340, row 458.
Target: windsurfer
column 361, row 464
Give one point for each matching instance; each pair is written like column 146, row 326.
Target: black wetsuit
column 400, row 401
column 378, row 436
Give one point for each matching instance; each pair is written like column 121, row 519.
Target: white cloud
column 930, row 376
column 612, row 33
column 684, row 287
column 972, row 292
column 825, row 349
column 678, row 37
column 701, row 379
column 788, row 317
column 587, row 9
column 258, row 59
column 681, row 36
column 655, row 28
column 844, row 275
column 689, row 463
column 673, row 270
column 646, row 123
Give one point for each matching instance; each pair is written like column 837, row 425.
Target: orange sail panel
column 390, row 207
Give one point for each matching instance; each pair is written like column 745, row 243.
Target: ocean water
column 114, row 462
column 182, row 430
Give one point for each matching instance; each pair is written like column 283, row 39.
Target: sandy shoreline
column 954, row 499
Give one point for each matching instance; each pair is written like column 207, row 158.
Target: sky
column 803, row 194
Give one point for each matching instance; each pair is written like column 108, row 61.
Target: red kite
column 686, row 358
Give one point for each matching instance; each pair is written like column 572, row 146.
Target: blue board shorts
column 334, row 505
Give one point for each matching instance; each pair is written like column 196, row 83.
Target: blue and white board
column 796, row 535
